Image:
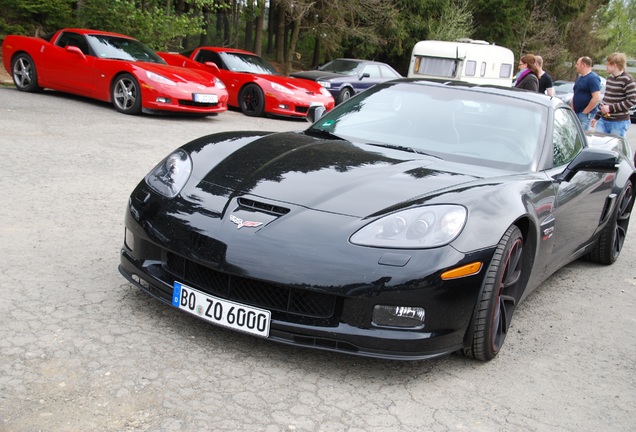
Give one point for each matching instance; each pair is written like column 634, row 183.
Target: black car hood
column 334, row 176
column 318, row 75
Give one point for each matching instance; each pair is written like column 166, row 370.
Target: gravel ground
column 82, row 349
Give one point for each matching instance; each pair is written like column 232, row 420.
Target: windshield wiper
column 322, row 133
column 403, row 148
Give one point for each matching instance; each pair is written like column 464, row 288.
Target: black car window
column 566, row 138
column 210, row 56
column 73, row 39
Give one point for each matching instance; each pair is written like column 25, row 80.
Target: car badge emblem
column 240, row 223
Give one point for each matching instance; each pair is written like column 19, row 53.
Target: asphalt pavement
column 83, row 350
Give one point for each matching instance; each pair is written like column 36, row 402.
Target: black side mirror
column 364, row 75
column 592, row 160
column 315, row 112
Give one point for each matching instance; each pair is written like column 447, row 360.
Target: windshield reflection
column 118, row 48
column 450, row 122
column 238, row 62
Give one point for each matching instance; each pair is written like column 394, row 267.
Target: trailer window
column 505, row 71
column 435, row 66
column 471, row 67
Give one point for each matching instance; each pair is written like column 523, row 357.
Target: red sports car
column 113, row 68
column 253, row 84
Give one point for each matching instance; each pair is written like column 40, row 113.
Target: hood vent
column 262, row 207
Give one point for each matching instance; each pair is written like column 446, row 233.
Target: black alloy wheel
column 501, row 292
column 252, row 100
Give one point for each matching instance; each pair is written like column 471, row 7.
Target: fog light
column 282, row 106
column 398, row 316
column 129, row 239
column 163, row 100
column 140, row 281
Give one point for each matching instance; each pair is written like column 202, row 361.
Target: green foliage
column 35, row 17
column 158, row 27
column 559, row 30
column 618, row 27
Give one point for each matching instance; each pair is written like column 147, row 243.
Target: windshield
column 239, row 62
column 341, row 66
column 118, row 48
column 449, row 122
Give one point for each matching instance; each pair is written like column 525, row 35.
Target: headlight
column 171, row 175
column 219, row 83
column 160, row 79
column 325, row 84
column 418, row 228
column 282, row 89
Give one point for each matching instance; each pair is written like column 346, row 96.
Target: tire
column 344, row 95
column 612, row 238
column 126, row 94
column 252, row 101
column 501, row 292
column 25, row 75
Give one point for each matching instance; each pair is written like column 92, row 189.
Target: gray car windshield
column 452, row 123
column 341, row 66
column 118, row 48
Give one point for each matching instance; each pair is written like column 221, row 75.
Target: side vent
column 610, row 202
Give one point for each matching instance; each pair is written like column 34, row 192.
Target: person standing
column 620, row 95
column 528, row 78
column 587, row 92
column 546, row 84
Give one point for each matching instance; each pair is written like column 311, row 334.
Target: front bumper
column 180, row 100
column 294, row 106
column 336, row 313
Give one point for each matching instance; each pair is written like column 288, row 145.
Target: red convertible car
column 112, row 68
column 253, row 84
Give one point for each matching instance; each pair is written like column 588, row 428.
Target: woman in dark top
column 529, row 77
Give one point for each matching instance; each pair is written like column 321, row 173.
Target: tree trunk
column 292, row 45
column 315, row 61
column 260, row 21
column 280, row 33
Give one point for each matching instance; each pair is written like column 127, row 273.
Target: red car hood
column 179, row 74
column 293, row 83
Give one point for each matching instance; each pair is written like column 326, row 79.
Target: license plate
column 206, row 98
column 221, row 312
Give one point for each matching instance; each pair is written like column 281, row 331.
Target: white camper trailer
column 468, row 60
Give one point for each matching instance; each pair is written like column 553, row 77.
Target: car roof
column 226, row 49
column 96, row 32
column 358, row 60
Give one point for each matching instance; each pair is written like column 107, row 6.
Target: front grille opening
column 263, row 207
column 185, row 102
column 325, row 343
column 280, row 298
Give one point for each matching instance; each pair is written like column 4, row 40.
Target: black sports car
column 407, row 223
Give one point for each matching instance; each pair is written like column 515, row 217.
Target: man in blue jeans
column 620, row 95
column 587, row 92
